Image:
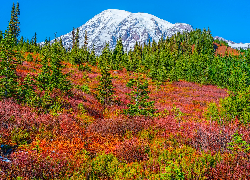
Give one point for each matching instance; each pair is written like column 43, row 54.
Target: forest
column 173, row 109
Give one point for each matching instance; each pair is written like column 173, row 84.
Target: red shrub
column 119, row 126
column 232, row 167
column 34, row 166
column 132, row 150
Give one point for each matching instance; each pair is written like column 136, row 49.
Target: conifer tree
column 105, row 89
column 9, row 60
column 105, row 58
column 85, row 40
column 35, row 40
column 51, row 76
column 117, row 57
column 73, row 38
column 77, row 38
column 92, row 57
column 139, row 104
column 14, row 24
column 21, row 41
column 135, row 58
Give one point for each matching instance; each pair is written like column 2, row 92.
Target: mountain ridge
column 111, row 24
column 233, row 44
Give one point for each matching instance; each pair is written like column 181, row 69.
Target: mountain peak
column 110, row 24
column 115, row 11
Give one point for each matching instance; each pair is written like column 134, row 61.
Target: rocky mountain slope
column 233, row 44
column 111, row 24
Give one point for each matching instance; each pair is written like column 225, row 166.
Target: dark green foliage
column 85, row 40
column 26, row 91
column 92, row 57
column 105, row 57
column 81, row 55
column 139, row 104
column 221, row 42
column 34, row 40
column 73, row 38
column 51, row 76
column 14, row 24
column 77, row 38
column 229, row 72
column 118, row 55
column 135, row 58
column 234, row 107
column 189, row 56
column 105, row 89
column 9, row 60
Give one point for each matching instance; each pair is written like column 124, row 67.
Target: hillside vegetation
column 176, row 109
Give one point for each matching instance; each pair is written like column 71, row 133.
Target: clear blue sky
column 229, row 19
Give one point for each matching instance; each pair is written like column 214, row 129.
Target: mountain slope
column 233, row 44
column 111, row 24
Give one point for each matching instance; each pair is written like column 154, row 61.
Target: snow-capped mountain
column 233, row 44
column 111, row 24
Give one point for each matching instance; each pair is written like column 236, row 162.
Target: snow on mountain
column 233, row 44
column 111, row 24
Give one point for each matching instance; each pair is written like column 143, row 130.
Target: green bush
column 237, row 144
column 139, row 104
column 103, row 166
column 235, row 106
column 20, row 136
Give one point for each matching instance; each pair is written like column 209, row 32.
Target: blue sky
column 229, row 19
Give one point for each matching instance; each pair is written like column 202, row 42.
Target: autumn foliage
column 185, row 116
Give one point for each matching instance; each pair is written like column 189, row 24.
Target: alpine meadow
column 135, row 98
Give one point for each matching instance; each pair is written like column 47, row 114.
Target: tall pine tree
column 118, row 54
column 14, row 23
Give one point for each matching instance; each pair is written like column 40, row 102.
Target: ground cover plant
column 176, row 109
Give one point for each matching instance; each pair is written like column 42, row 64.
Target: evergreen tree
column 85, row 48
column 9, row 60
column 14, row 24
column 73, row 38
column 85, row 40
column 77, row 38
column 35, row 40
column 92, row 57
column 105, row 57
column 117, row 57
column 135, row 58
column 21, row 41
column 51, row 76
column 105, row 89
column 139, row 104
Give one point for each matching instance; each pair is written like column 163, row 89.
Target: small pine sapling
column 139, row 104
